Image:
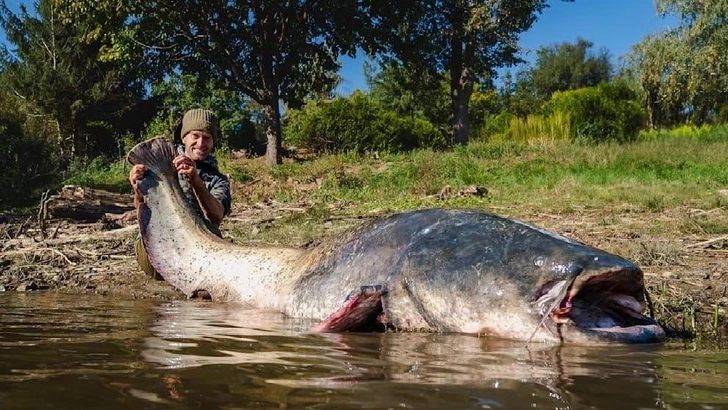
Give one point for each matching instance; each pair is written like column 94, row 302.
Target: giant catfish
column 431, row 270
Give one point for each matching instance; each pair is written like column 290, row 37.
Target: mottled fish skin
column 442, row 270
column 449, row 270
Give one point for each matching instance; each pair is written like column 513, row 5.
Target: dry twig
column 708, row 242
column 22, row 227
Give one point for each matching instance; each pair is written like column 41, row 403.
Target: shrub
column 492, row 126
column 30, row 153
column 704, row 132
column 357, row 124
column 608, row 112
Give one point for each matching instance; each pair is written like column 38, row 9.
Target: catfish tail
column 156, row 154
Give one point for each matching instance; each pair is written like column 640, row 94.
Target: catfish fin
column 156, row 154
column 362, row 311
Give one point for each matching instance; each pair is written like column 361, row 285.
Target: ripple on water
column 61, row 351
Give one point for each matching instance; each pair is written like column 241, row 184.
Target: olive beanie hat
column 198, row 119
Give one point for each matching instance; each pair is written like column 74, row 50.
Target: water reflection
column 78, row 351
column 691, row 378
column 399, row 369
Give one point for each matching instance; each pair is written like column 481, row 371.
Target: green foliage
column 100, row 173
column 682, row 70
column 559, row 67
column 661, row 66
column 568, row 66
column 272, row 52
column 358, row 124
column 56, row 64
column 703, row 132
column 486, row 114
column 411, row 93
column 235, row 112
column 464, row 42
column 607, row 112
column 493, row 125
column 29, row 153
column 484, row 104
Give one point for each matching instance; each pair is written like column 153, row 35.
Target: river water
column 85, row 352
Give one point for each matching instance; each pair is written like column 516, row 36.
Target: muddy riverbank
column 686, row 276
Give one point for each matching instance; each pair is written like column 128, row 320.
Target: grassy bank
column 658, row 173
column 661, row 170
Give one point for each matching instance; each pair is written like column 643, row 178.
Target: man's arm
column 212, row 208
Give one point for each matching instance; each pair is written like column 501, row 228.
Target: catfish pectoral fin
column 362, row 311
column 200, row 294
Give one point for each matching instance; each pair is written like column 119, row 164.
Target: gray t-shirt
column 214, row 180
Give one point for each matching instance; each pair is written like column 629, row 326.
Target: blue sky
column 613, row 24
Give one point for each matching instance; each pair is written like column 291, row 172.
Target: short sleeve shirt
column 214, row 180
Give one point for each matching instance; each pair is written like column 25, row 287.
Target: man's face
column 198, row 144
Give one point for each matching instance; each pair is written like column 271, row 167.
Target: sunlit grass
column 661, row 170
column 538, row 129
column 101, row 174
column 558, row 176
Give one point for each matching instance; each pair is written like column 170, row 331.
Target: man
column 206, row 189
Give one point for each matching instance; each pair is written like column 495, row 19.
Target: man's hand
column 136, row 173
column 211, row 207
column 185, row 166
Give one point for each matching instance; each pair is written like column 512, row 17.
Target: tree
column 465, row 39
column 662, row 64
column 57, row 66
column 683, row 71
column 409, row 93
column 270, row 51
column 566, row 67
column 519, row 97
column 28, row 153
column 559, row 67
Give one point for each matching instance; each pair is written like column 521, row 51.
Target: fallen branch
column 22, row 227
column 708, row 242
column 38, row 250
column 103, row 235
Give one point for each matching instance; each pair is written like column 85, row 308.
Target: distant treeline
column 82, row 80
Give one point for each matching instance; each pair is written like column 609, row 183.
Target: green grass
column 651, row 174
column 101, row 174
column 661, row 170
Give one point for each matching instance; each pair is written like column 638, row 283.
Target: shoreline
column 688, row 293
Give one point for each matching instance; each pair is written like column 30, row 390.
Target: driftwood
column 115, row 212
column 102, row 235
column 86, row 204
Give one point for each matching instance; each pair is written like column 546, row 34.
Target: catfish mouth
column 605, row 306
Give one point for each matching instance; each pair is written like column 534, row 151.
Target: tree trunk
column 652, row 107
column 271, row 109
column 462, row 80
column 460, row 106
column 273, row 133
